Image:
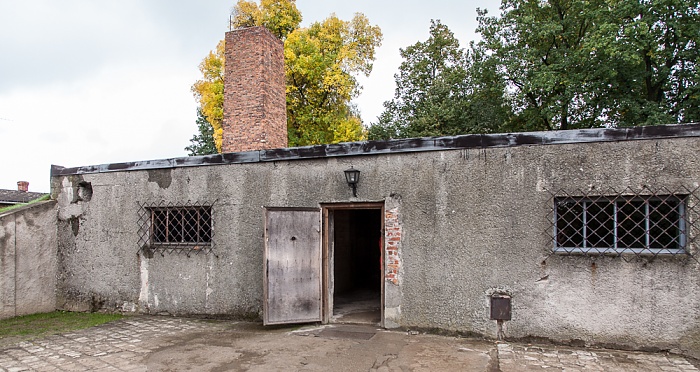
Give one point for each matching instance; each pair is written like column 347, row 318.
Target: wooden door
column 292, row 287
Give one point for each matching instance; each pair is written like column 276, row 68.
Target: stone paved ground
column 117, row 346
column 536, row 358
column 142, row 343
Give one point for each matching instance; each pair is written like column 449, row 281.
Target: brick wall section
column 392, row 234
column 255, row 113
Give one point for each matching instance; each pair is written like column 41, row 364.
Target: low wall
column 28, row 260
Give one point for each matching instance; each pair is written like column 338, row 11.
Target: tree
column 321, row 63
column 540, row 48
column 202, row 143
column 438, row 93
column 656, row 43
column 281, row 17
column 209, row 91
column 595, row 63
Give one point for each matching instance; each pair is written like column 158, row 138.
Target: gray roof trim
column 469, row 141
column 26, row 207
column 18, row 197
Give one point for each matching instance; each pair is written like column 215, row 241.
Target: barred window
column 623, row 224
column 188, row 225
column 171, row 228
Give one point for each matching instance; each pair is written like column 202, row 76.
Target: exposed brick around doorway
column 393, row 240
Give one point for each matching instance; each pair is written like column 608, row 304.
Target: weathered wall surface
column 28, row 260
column 487, row 217
column 466, row 224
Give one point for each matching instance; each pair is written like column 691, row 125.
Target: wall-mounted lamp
column 352, row 175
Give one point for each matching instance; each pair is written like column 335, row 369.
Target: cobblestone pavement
column 145, row 343
column 117, row 346
column 536, row 358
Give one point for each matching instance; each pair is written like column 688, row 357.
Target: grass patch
column 17, row 206
column 33, row 326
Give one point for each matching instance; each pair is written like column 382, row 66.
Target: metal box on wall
column 500, row 307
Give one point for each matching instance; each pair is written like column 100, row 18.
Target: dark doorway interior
column 357, row 269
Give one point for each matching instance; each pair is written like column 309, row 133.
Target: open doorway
column 355, row 266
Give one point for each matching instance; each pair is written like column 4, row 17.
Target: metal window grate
column 643, row 222
column 166, row 227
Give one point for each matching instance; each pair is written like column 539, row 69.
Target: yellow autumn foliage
column 209, row 91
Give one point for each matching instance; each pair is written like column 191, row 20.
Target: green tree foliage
column 202, row 143
column 552, row 64
column 595, row 63
column 443, row 90
column 655, row 45
column 209, row 91
column 321, row 63
column 538, row 47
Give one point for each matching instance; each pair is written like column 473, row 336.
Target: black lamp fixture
column 352, row 176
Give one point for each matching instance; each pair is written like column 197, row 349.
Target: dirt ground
column 340, row 348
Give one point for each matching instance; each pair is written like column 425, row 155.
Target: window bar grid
column 665, row 217
column 191, row 217
column 585, row 224
column 179, row 218
column 198, row 232
column 553, row 221
column 150, row 225
column 682, row 227
column 615, row 227
column 646, row 225
column 167, row 226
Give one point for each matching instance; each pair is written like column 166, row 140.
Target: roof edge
column 467, row 141
column 26, row 207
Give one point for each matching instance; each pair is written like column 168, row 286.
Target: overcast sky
column 86, row 82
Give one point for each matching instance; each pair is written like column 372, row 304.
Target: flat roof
column 18, row 197
column 397, row 146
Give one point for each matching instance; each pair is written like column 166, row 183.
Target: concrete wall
column 28, row 260
column 464, row 224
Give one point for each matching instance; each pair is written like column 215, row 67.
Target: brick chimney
column 22, row 186
column 255, row 112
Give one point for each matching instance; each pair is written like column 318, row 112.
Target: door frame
column 327, row 246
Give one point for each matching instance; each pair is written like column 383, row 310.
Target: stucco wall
column 28, row 260
column 472, row 222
